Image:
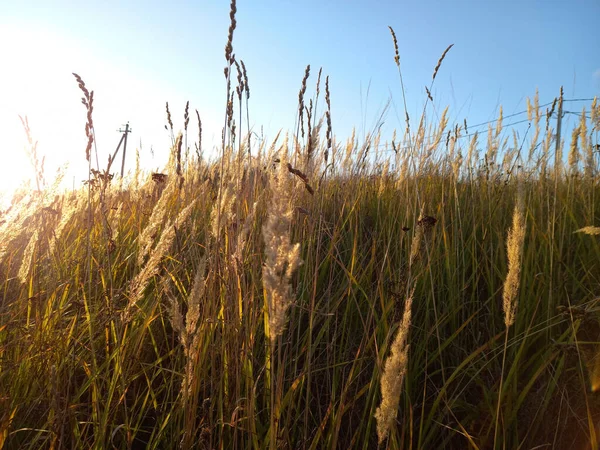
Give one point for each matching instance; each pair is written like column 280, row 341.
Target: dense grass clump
column 310, row 294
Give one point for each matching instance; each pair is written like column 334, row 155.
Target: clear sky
column 136, row 55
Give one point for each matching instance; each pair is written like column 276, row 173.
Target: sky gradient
column 138, row 56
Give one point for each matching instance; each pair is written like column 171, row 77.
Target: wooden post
column 557, row 152
column 126, row 132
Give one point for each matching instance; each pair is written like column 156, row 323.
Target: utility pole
column 125, row 132
column 557, row 153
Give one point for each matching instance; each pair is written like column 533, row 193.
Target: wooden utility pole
column 557, row 152
column 125, row 132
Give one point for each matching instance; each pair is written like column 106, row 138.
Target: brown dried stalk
column 439, row 63
column 301, row 98
column 232, row 25
column 397, row 53
column 88, row 102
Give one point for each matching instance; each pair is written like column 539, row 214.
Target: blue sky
column 137, row 55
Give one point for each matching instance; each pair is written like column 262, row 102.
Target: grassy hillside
column 309, row 293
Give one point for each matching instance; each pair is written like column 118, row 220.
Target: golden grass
column 393, row 375
column 282, row 258
column 514, row 246
column 250, row 302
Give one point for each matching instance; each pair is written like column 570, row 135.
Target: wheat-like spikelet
column 420, row 136
column 242, row 236
column 535, row 112
column 196, row 294
column 28, row 256
column 191, row 322
column 169, row 120
column 69, row 209
column 245, row 77
column 188, row 332
column 199, row 145
column 439, row 63
column 592, row 231
column 423, row 230
column 545, row 157
column 455, row 157
column 393, row 375
column 438, row 133
column 175, row 316
column 88, row 102
column 222, row 213
column 574, row 151
column 177, row 155
column 510, row 155
column 152, row 267
column 595, row 115
column 586, row 146
column 350, row 147
column 232, row 26
column 301, row 99
column 14, row 218
column 313, row 142
column 328, row 118
column 157, row 217
column 396, row 52
column 472, row 153
column 114, row 218
column 499, row 122
column 282, row 258
column 514, row 246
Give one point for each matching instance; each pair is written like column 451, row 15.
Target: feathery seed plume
column 514, row 246
column 152, row 267
column 592, row 231
column 393, row 375
column 282, row 257
column 28, row 256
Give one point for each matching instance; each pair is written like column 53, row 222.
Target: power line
column 506, row 117
column 523, row 112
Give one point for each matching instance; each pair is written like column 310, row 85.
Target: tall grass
column 310, row 293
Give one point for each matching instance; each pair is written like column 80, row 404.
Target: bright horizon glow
column 136, row 62
column 43, row 90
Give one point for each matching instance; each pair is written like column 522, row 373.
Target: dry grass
column 393, row 375
column 514, row 246
column 250, row 302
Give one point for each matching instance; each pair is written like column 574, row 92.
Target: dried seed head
column 88, row 102
column 393, row 375
column 439, row 63
column 397, row 53
column 574, row 150
column 592, row 231
column 245, row 75
column 186, row 116
column 514, row 246
column 328, row 118
column 199, row 136
column 282, row 258
column 318, row 89
column 301, row 98
column 169, row 116
column 423, row 229
column 240, row 80
column 233, row 24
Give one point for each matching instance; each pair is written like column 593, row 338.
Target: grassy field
column 441, row 291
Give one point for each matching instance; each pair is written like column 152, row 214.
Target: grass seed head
column 514, row 246
column 393, row 375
